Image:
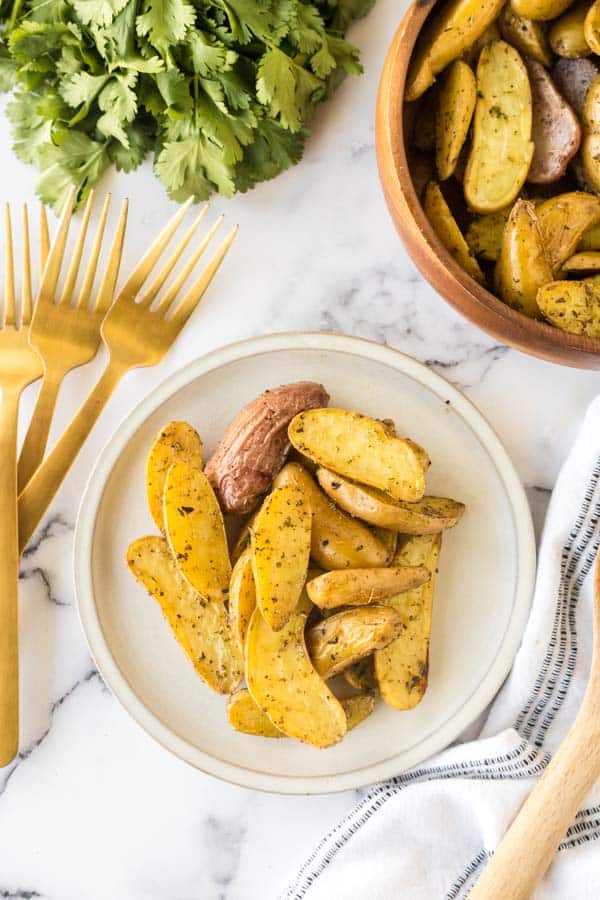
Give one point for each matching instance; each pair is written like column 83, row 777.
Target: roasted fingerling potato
column 567, row 37
column 572, row 306
column 342, row 639
column 522, row 267
column 530, row 38
column 456, row 104
column 322, row 579
column 445, row 226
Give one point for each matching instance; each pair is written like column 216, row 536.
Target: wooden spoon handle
column 530, row 843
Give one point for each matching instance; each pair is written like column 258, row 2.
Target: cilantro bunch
column 219, row 91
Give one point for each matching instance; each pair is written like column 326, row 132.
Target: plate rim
column 83, row 545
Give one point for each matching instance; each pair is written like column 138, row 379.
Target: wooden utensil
column 67, row 336
column 19, row 366
column 529, row 845
column 135, row 333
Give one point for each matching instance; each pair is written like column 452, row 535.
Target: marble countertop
column 93, row 809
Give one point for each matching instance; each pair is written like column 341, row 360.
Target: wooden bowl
column 463, row 293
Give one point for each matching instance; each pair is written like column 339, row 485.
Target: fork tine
column 187, row 269
column 26, row 302
column 106, row 292
column 9, row 274
column 73, row 269
column 55, row 256
column 170, row 264
column 44, row 238
column 139, row 275
column 90, row 271
column 183, row 310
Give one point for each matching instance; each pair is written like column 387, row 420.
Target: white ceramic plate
column 482, row 598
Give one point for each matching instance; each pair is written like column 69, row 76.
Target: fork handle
column 34, row 445
column 39, row 492
column 9, row 579
column 528, row 847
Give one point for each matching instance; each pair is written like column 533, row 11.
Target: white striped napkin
column 426, row 835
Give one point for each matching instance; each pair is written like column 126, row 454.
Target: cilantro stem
column 14, row 14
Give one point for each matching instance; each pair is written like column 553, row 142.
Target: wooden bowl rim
column 468, row 297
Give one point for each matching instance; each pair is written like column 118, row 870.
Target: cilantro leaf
column 118, row 102
column 165, row 22
column 98, row 12
column 286, row 89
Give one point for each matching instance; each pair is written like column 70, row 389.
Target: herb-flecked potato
column 199, row 623
column 563, row 220
column 590, row 146
column 426, row 516
column 573, row 78
column 484, row 234
column 285, row 685
column 522, row 267
column 502, row 149
column 357, row 708
column 337, row 541
column 244, row 715
column 528, row 37
column 242, row 597
column 361, row 675
column 357, row 587
column 555, row 130
column 445, row 226
column 280, row 540
column 360, row 448
column 573, row 306
column 591, row 27
column 456, row 104
column 567, row 37
column 255, row 444
column 540, row 10
column 458, row 25
column 175, row 442
column 584, row 261
column 402, row 667
column 196, row 531
column 340, row 640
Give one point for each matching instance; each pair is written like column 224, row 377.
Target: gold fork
column 67, row 336
column 19, row 366
column 135, row 333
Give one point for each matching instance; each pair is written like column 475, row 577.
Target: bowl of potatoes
column 277, row 581
column 488, row 144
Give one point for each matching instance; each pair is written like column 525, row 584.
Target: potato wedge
column 572, row 306
column 285, row 685
column 199, row 624
column 556, row 131
column 401, row 668
column 453, row 29
column 175, row 442
column 591, row 27
column 566, row 34
column 255, row 445
column 245, row 716
column 360, row 448
column 484, row 234
column 357, row 587
column 456, row 104
column 585, row 261
column 540, row 10
column 195, row 530
column 337, row 540
column 280, row 541
column 357, row 709
column 590, row 239
column 340, row 640
column 422, row 170
column 562, row 221
column 389, row 539
column 502, row 148
column 242, row 597
column 590, row 145
column 522, row 267
column 445, row 226
column 426, row 516
column 528, row 37
column 361, row 675
column 573, row 78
